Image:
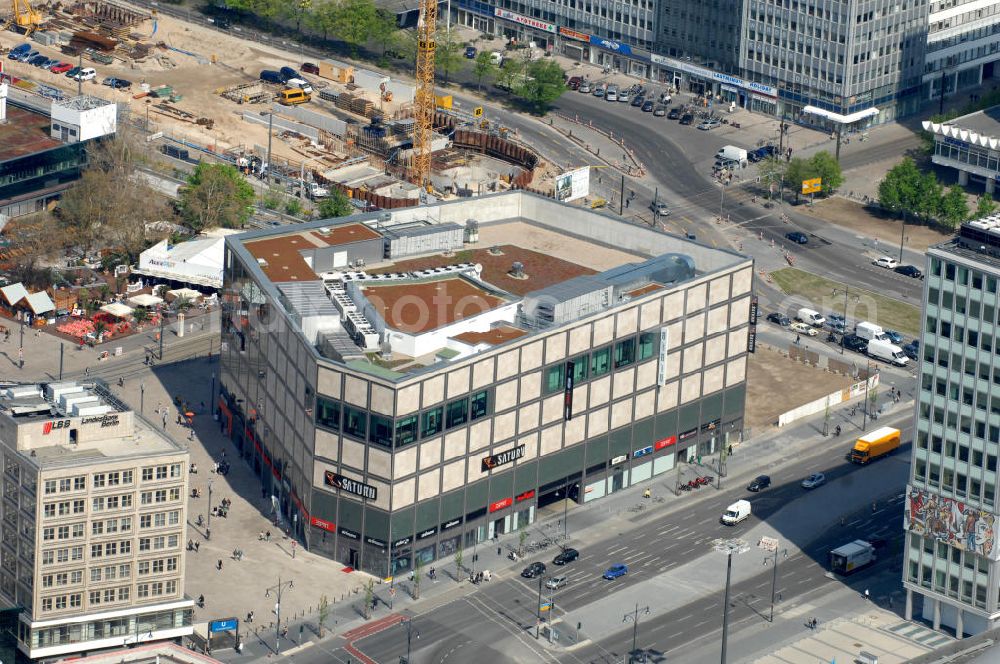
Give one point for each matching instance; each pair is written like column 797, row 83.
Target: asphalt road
column 497, row 621
column 680, row 159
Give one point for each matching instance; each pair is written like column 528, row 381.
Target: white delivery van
column 883, row 350
column 869, row 331
column 734, row 153
column 299, row 83
column 810, row 316
column 496, row 57
column 736, row 512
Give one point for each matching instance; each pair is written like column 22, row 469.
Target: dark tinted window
column 327, row 413
column 458, row 412
column 355, row 422
column 431, row 422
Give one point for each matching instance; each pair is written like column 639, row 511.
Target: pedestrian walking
column 267, row 536
column 250, row 617
column 197, row 545
column 294, row 543
column 218, row 565
column 208, row 533
column 867, row 595
column 260, row 536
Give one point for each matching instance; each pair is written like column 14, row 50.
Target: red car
column 60, row 68
column 309, row 68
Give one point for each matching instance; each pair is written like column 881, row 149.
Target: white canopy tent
column 117, row 309
column 186, row 293
column 197, row 262
column 145, row 300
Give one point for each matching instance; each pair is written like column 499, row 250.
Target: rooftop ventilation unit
column 517, row 270
column 323, row 230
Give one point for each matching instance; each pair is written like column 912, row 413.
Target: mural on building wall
column 958, row 524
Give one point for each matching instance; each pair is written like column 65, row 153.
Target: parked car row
column 24, row 53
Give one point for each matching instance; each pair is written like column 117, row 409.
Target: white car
column 802, row 328
column 886, row 261
column 813, row 481
column 86, row 74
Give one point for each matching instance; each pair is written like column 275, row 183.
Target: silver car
column 556, row 582
column 813, row 481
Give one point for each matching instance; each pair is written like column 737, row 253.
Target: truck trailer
column 849, row 558
column 875, row 445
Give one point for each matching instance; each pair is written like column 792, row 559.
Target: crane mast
column 425, row 102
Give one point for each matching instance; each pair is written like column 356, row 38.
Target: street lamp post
column 902, row 236
column 864, row 408
column 410, row 635
column 771, row 544
column 142, row 398
column 847, row 295
column 211, row 395
column 728, row 547
column 209, row 525
column 634, row 619
column 278, row 589
column 538, row 609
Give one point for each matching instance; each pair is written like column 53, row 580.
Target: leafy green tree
column 216, row 195
column 448, row 55
column 899, row 190
column 772, row 172
column 483, row 67
column 985, row 206
column 797, row 170
column 297, row 10
column 293, row 207
column 954, row 206
column 337, row 204
column 824, row 165
column 354, row 22
column 324, row 613
column 321, row 17
column 544, row 83
column 930, row 195
column 385, row 29
column 509, row 70
column 262, row 8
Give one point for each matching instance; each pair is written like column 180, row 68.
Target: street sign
column 223, row 625
column 478, row 111
column 812, row 186
column 768, row 543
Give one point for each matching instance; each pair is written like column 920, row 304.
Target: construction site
column 198, row 93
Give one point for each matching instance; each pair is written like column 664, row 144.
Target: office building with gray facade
column 963, row 45
column 952, row 559
column 847, row 64
column 399, row 407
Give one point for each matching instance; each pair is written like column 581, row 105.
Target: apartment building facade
column 93, row 519
column 963, row 45
column 450, row 431
column 952, row 560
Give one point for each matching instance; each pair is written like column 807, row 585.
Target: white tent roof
column 841, row 119
column 14, row 293
column 117, row 309
column 145, row 300
column 40, row 303
column 194, row 262
column 187, row 293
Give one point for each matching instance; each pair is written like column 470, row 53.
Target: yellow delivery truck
column 875, row 445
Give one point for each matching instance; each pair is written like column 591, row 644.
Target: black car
column 687, row 118
column 648, row 107
column 567, row 556
column 797, row 237
column 855, row 343
column 674, row 113
column 909, row 271
column 759, row 482
column 638, row 101
column 779, row 319
column 912, row 349
column 533, row 570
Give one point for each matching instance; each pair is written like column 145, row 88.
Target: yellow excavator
column 24, row 18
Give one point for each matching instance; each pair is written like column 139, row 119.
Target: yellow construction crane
column 24, row 17
column 425, row 102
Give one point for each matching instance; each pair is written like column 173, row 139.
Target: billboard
column 573, row 185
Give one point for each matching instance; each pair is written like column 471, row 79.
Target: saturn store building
column 397, row 413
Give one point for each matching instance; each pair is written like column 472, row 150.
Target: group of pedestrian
column 895, row 393
column 263, row 536
column 811, row 623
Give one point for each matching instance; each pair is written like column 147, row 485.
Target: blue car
column 615, row 571
column 18, row 51
column 894, row 336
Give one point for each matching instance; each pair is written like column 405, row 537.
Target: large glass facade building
column 952, row 561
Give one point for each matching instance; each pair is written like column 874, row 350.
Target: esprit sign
column 337, row 481
column 524, row 20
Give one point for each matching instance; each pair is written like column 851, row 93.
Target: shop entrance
column 352, row 558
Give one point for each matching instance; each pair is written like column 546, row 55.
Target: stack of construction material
column 362, row 106
column 83, row 40
column 329, row 95
column 345, row 101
